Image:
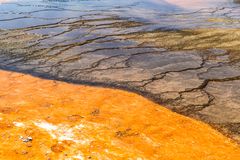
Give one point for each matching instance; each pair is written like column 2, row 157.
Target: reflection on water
column 191, row 4
column 25, row 13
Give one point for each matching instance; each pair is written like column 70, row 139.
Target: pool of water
column 163, row 13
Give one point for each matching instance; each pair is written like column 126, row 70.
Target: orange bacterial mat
column 45, row 119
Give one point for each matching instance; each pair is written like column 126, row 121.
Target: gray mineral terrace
column 184, row 55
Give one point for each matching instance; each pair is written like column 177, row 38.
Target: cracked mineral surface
column 184, row 55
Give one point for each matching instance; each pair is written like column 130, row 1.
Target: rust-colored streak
column 45, row 119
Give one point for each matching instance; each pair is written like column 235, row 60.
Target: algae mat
column 45, row 119
column 183, row 54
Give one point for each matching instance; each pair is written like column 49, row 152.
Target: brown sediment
column 194, row 39
column 45, row 119
column 223, row 20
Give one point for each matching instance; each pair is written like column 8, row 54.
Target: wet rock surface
column 195, row 72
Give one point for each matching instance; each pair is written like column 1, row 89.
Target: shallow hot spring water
column 46, row 119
